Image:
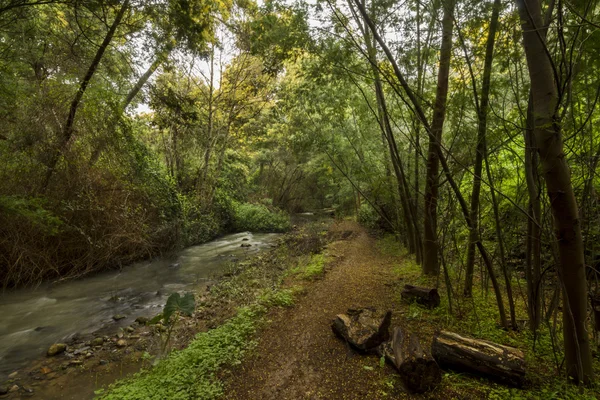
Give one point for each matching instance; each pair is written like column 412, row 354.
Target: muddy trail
column 298, row 357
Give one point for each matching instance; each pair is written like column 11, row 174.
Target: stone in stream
column 246, row 245
column 14, row 388
column 118, row 317
column 121, row 343
column 56, row 348
column 364, row 329
column 13, row 375
column 97, row 342
column 141, row 320
column 129, row 329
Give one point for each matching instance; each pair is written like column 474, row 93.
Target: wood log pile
column 368, row 330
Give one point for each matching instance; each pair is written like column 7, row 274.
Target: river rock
column 45, row 370
column 246, row 245
column 97, row 342
column 13, row 375
column 14, row 388
column 75, row 363
column 81, row 350
column 129, row 329
column 141, row 320
column 118, row 317
column 121, row 343
column 56, row 348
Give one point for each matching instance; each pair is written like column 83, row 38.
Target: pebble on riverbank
column 56, row 348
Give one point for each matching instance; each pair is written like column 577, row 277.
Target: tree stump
column 418, row 370
column 481, row 357
column 363, row 329
column 424, row 296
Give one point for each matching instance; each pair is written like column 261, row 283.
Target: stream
column 33, row 319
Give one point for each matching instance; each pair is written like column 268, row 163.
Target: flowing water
column 32, row 319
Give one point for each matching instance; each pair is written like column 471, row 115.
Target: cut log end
column 363, row 329
column 428, row 297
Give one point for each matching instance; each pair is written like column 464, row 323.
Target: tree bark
column 480, row 357
column 547, row 133
column 431, row 265
column 534, row 232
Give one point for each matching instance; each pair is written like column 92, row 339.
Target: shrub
column 258, row 218
column 367, row 216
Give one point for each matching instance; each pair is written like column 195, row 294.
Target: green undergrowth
column 310, row 267
column 478, row 317
column 259, row 218
column 190, row 373
column 250, row 288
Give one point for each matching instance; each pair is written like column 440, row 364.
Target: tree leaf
column 175, row 303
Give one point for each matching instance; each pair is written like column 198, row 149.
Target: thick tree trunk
column 431, row 265
column 425, row 296
column 480, row 148
column 556, row 173
column 67, row 132
column 480, row 357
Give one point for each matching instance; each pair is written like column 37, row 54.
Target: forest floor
column 284, row 348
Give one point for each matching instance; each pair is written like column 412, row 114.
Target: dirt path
column 298, row 357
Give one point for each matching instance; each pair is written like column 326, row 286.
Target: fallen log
column 481, row 357
column 418, row 370
column 424, row 296
column 364, row 329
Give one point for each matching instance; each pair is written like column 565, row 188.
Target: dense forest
column 465, row 128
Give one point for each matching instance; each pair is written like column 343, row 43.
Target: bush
column 368, row 217
column 258, row 218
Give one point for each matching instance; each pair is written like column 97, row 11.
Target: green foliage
column 277, row 298
column 179, row 305
column 315, row 268
column 31, row 211
column 258, row 218
column 368, row 217
column 190, row 373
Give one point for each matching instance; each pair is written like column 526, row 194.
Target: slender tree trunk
column 142, row 80
column 431, row 264
column 418, row 110
column 67, row 132
column 547, row 133
column 480, row 148
column 210, row 132
column 409, row 213
column 533, row 266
